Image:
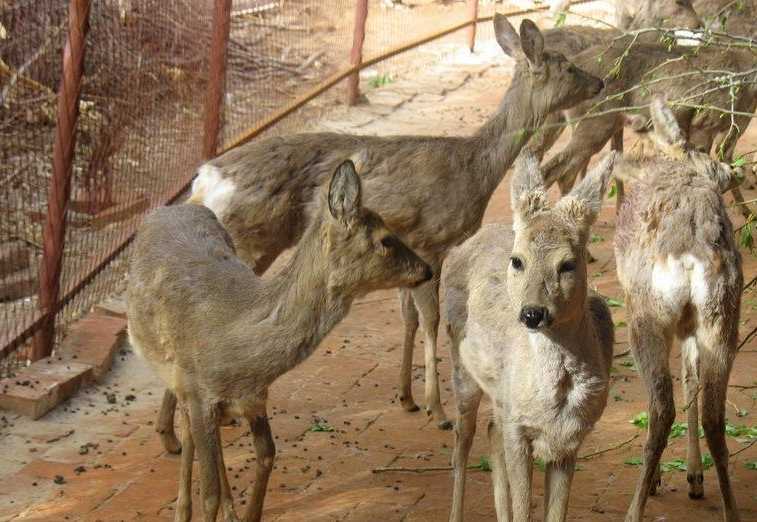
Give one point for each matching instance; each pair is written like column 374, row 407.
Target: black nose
column 427, row 274
column 532, row 316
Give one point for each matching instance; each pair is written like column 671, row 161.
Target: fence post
column 356, row 56
column 59, row 191
column 216, row 77
column 473, row 16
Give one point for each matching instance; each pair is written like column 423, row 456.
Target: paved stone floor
column 97, row 458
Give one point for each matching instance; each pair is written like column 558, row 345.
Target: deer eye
column 517, row 263
column 567, row 266
column 387, row 241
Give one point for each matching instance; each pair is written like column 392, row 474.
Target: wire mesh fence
column 141, row 116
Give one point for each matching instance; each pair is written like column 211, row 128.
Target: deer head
column 546, row 276
column 551, row 81
column 363, row 255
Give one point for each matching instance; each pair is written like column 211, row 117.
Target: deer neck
column 305, row 307
column 501, row 139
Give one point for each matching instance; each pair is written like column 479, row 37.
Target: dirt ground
column 97, row 458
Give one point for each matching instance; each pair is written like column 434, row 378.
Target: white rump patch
column 211, row 190
column 688, row 38
column 679, row 281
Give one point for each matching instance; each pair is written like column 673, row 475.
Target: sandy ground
column 94, row 460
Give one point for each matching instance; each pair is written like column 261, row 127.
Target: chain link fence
column 142, row 113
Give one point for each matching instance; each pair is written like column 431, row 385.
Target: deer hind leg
column 426, row 298
column 227, row 503
column 690, row 377
column 265, row 452
column 410, row 319
column 203, row 420
column 164, row 426
column 650, row 343
column 716, row 358
column 467, row 399
column 184, row 500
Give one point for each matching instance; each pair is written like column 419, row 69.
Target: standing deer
column 681, row 274
column 526, row 331
column 432, row 191
column 220, row 336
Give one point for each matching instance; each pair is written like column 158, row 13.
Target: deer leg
column 519, row 461
column 559, row 477
column 410, row 319
column 265, row 451
column 204, row 425
column 502, row 498
column 617, row 146
column 651, row 345
column 715, row 368
column 426, row 298
column 690, row 377
column 165, row 427
column 467, row 398
column 184, row 500
column 227, row 503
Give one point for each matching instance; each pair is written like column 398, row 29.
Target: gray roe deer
column 681, row 272
column 432, row 191
column 219, row 336
column 526, row 331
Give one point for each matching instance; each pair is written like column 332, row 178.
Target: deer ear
column 527, row 195
column 532, row 42
column 623, row 17
column 345, row 193
column 667, row 134
column 582, row 205
column 507, row 36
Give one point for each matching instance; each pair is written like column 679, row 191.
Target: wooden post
column 59, row 191
column 473, row 16
column 356, row 56
column 216, row 77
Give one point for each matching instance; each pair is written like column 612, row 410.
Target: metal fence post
column 216, row 76
column 59, row 191
column 356, row 55
column 473, row 16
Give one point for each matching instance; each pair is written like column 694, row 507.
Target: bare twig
column 747, row 338
column 744, row 448
column 608, row 449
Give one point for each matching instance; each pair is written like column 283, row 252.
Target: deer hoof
column 408, row 404
column 696, row 487
column 171, row 443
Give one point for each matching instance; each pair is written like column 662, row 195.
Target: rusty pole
column 356, row 55
column 59, row 191
column 472, row 15
column 216, row 77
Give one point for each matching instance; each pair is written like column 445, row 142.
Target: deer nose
column 428, row 274
column 532, row 316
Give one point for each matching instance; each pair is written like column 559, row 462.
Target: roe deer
column 432, row 191
column 219, row 335
column 681, row 273
column 526, row 330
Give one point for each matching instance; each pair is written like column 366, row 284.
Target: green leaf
column 746, row 238
column 628, row 364
column 483, row 464
column 596, row 238
column 540, row 465
column 707, row 461
column 380, row 81
column 617, row 398
column 634, row 461
column 321, row 426
column 674, row 465
column 751, row 465
column 737, row 432
column 641, row 420
column 678, row 429
column 620, row 324
column 613, row 191
column 739, row 162
column 614, row 303
column 560, row 20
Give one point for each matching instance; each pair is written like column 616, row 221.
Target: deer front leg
column 410, row 319
column 164, row 426
column 518, row 455
column 227, row 503
column 651, row 345
column 690, row 377
column 426, row 298
column 467, row 398
column 184, row 500
column 265, row 451
column 557, row 489
column 502, row 497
